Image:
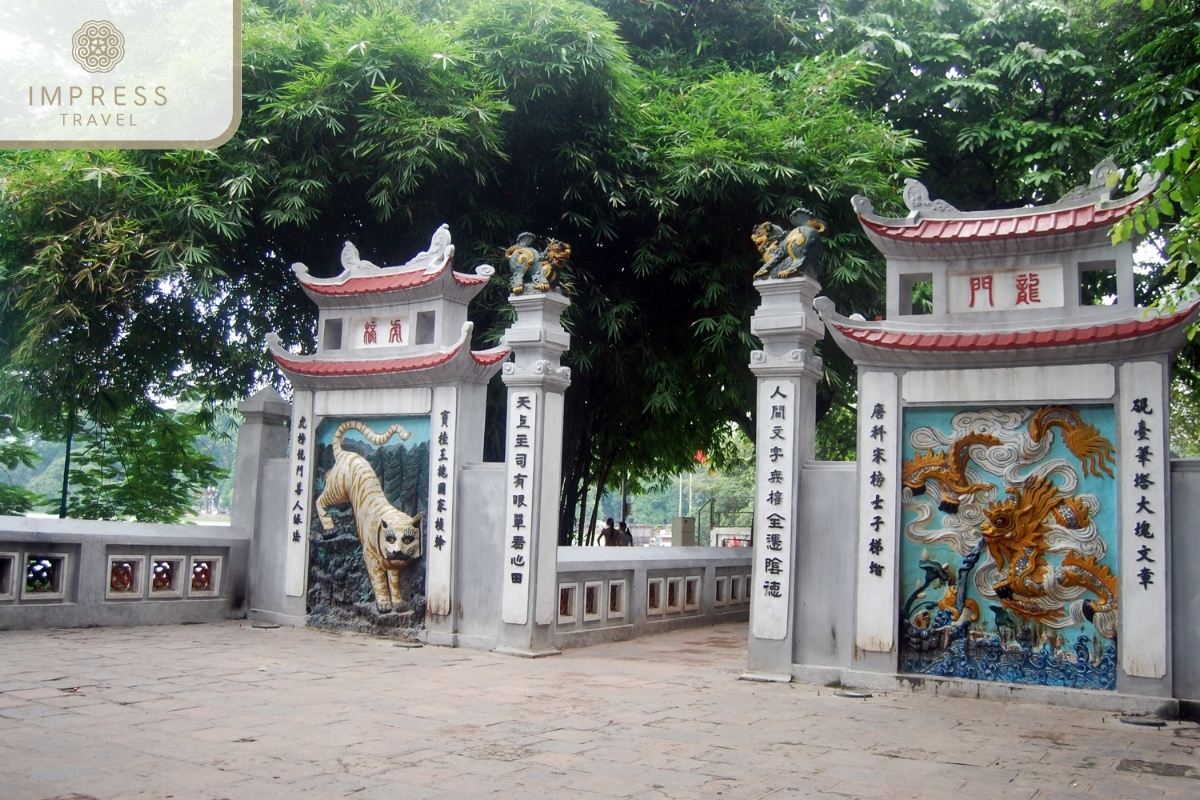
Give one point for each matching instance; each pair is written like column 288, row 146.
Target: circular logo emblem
column 98, row 46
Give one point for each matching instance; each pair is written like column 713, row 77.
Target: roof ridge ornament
column 429, row 262
column 916, row 197
column 351, row 261
column 1102, row 181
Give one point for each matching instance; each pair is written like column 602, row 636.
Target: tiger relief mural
column 1008, row 554
column 366, row 565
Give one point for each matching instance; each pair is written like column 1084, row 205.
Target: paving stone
column 228, row 711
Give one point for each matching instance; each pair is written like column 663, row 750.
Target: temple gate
column 1009, row 517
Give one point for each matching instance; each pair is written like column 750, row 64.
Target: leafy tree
column 1162, row 126
column 157, row 274
column 142, row 466
column 15, row 451
column 1015, row 101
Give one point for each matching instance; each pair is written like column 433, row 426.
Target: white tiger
column 390, row 538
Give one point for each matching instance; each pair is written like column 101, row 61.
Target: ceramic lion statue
column 390, row 539
column 540, row 270
column 788, row 253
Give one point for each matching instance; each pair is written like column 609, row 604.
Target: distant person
column 626, row 535
column 609, row 535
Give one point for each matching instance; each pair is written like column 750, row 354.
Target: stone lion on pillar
column 789, row 253
column 540, row 270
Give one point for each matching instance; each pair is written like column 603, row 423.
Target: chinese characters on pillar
column 880, row 420
column 299, row 508
column 1142, row 479
column 519, row 500
column 297, row 496
column 775, row 506
column 441, row 507
column 877, row 512
column 443, row 475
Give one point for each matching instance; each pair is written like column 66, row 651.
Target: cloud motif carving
column 98, row 46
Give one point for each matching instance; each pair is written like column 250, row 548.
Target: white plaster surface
column 1143, row 609
column 546, row 521
column 875, row 609
column 296, row 580
column 1010, row 289
column 1011, row 385
column 372, row 402
column 439, row 560
column 777, row 431
column 386, row 331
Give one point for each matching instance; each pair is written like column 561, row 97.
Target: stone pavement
column 230, row 711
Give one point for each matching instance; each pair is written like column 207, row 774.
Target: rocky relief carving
column 1008, row 555
column 368, row 539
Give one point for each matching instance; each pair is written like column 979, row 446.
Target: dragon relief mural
column 1009, row 545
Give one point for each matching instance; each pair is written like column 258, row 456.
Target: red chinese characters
column 1027, row 289
column 980, row 284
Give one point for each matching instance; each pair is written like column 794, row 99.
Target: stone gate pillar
column 787, row 373
column 533, row 453
column 259, row 475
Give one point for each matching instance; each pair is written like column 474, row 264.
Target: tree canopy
column 650, row 135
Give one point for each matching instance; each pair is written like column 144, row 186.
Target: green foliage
column 15, row 451
column 651, row 135
column 141, row 466
column 1164, row 122
column 1185, row 419
column 1172, row 209
column 837, row 434
column 1013, row 100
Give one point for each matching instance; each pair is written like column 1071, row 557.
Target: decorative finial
column 785, row 254
column 539, row 270
column 352, row 263
column 916, row 197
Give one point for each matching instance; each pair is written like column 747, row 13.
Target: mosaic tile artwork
column 1008, row 556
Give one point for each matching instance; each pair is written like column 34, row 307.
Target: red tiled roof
column 388, row 365
column 1014, row 340
column 1006, row 227
column 468, row 280
column 489, row 357
column 364, row 284
column 366, row 367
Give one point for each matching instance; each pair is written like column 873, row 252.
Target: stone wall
column 1185, row 570
column 824, row 603
column 611, row 594
column 69, row 573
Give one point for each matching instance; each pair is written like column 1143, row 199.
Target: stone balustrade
column 611, row 594
column 57, row 573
